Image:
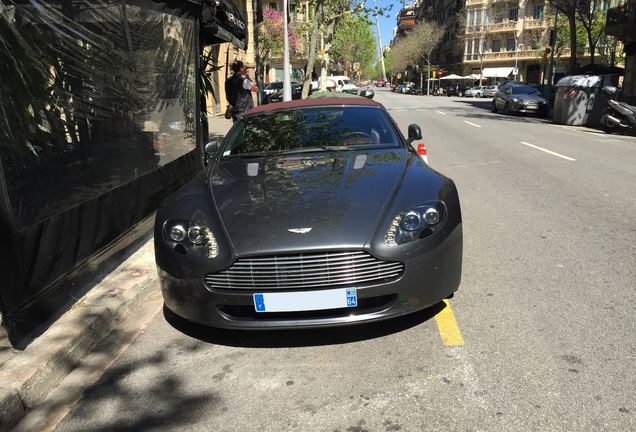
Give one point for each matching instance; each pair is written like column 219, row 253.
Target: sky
column 387, row 22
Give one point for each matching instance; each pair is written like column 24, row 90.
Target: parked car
column 277, row 96
column 381, row 83
column 477, row 91
column 268, row 237
column 520, row 99
column 273, row 87
column 490, row 90
column 543, row 88
column 456, row 90
column 366, row 91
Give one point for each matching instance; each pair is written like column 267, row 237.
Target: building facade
column 497, row 39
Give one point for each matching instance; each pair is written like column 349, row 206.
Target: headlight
column 416, row 223
column 190, row 238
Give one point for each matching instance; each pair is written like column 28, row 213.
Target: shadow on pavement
column 302, row 337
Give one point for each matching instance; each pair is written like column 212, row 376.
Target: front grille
column 311, row 270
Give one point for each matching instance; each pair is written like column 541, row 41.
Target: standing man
column 238, row 90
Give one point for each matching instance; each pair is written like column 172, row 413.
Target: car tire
column 506, row 109
column 493, row 107
column 477, row 95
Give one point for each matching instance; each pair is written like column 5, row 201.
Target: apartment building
column 498, row 39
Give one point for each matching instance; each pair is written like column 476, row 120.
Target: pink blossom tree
column 270, row 38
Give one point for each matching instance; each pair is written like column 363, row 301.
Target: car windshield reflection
column 525, row 90
column 306, row 130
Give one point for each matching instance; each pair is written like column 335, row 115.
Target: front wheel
column 506, row 110
column 493, row 107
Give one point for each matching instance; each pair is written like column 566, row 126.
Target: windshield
column 311, row 129
column 525, row 90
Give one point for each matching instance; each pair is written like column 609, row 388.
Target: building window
column 272, row 6
column 538, row 12
column 471, row 18
column 496, row 45
column 469, row 47
column 514, row 13
column 485, row 17
column 510, row 45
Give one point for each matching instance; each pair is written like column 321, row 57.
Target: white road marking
column 442, row 113
column 472, row 124
column 547, row 151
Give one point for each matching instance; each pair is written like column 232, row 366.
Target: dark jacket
column 237, row 96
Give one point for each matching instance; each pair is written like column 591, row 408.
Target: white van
column 342, row 84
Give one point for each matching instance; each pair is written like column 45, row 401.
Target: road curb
column 28, row 376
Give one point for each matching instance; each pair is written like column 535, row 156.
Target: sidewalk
column 28, row 376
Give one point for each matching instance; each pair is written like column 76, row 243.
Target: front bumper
column 429, row 277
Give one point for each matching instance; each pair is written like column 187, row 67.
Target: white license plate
column 306, row 300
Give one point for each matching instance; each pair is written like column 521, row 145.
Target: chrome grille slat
column 313, row 270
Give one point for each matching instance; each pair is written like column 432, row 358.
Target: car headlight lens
column 416, row 223
column 190, row 238
column 177, row 233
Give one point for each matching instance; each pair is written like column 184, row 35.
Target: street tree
column 569, row 9
column 593, row 18
column 415, row 50
column 271, row 34
column 326, row 17
column 355, row 45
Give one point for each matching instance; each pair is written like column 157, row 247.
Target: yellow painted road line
column 472, row 124
column 447, row 325
column 548, row 151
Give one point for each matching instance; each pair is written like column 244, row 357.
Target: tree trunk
column 315, row 35
column 572, row 21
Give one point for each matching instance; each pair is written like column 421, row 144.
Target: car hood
column 528, row 97
column 317, row 201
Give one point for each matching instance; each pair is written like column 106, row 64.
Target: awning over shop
column 500, row 72
column 222, row 22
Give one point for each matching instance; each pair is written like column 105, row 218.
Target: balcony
column 621, row 21
column 502, row 27
column 502, row 55
column 530, row 24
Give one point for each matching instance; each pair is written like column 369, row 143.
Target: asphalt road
column 541, row 330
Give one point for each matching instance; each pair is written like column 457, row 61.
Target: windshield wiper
column 318, row 149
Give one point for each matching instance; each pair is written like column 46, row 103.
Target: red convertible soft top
column 316, row 100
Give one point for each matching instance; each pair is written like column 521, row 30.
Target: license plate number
column 306, row 300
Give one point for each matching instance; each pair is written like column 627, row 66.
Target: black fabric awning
column 594, row 69
column 222, row 22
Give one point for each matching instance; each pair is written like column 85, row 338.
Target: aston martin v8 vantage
column 310, row 213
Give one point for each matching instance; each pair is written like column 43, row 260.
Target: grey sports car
column 313, row 212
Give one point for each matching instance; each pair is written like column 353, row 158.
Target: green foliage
column 355, row 43
column 208, row 67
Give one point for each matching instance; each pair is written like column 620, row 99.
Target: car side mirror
column 211, row 149
column 415, row 133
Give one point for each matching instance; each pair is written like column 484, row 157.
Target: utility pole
column 377, row 24
column 287, row 95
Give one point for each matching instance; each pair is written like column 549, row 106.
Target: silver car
column 520, row 99
column 475, row 92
